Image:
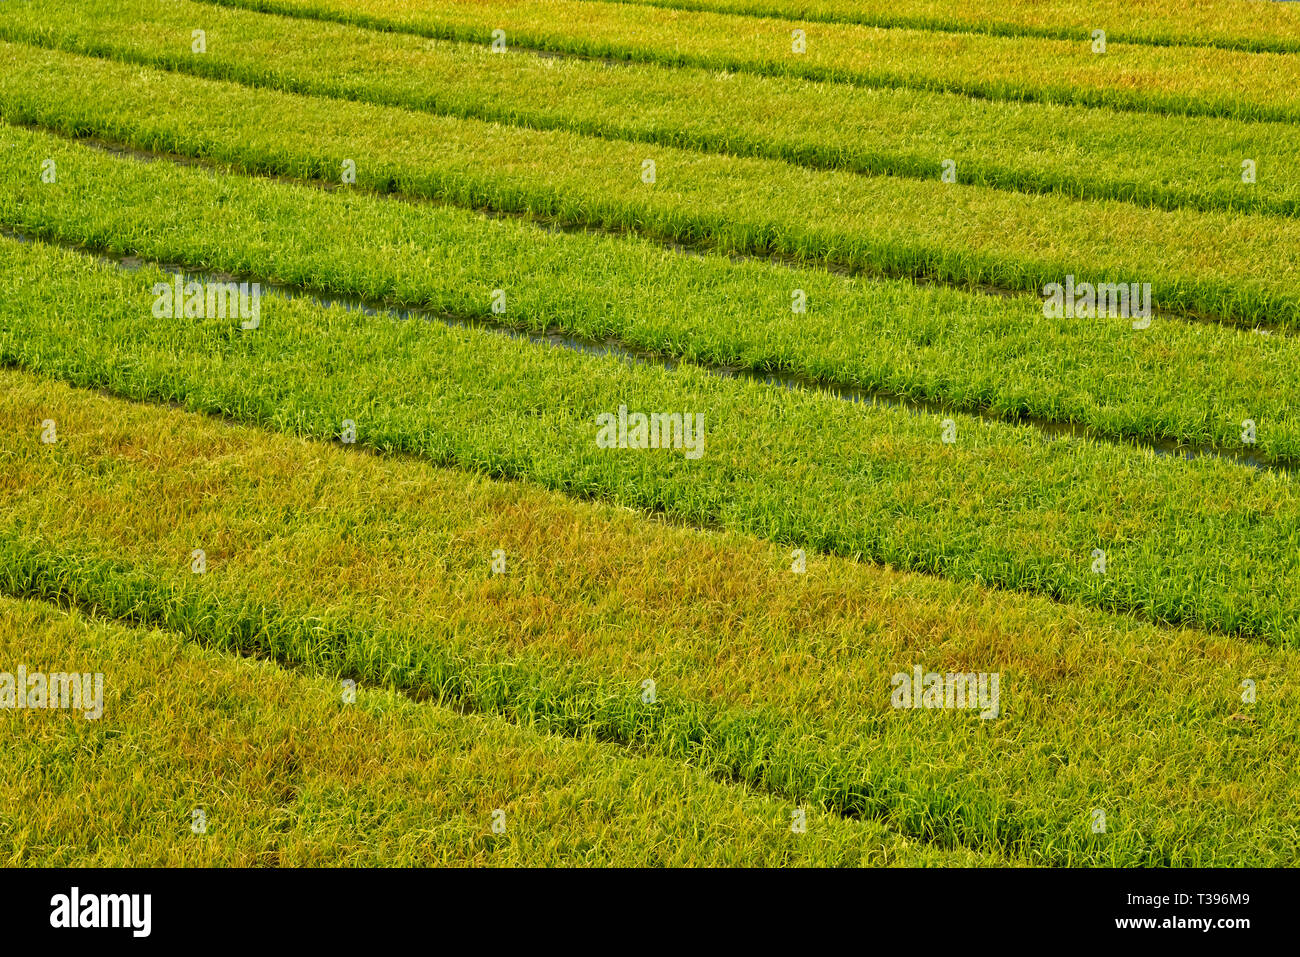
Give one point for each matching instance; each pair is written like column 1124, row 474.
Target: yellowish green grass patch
column 286, row 773
column 748, row 657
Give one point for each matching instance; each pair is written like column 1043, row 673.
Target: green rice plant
column 1178, row 382
column 379, row 569
column 1231, row 24
column 288, row 774
column 1236, row 267
column 1204, row 542
column 1149, row 159
column 1197, row 81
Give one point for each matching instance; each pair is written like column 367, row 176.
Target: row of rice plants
column 1237, row 267
column 1231, row 24
column 1151, row 159
column 384, row 570
column 1175, row 381
column 1203, row 542
column 1190, row 80
column 283, row 771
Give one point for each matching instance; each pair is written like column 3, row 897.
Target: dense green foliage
column 491, row 229
column 1232, row 24
column 1089, row 153
column 1176, row 381
column 1205, row 541
column 1237, row 267
column 1195, row 81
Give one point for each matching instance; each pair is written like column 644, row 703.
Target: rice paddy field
column 627, row 433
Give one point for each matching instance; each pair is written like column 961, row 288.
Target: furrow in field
column 1228, row 24
column 1180, row 80
column 1169, row 162
column 290, row 775
column 381, row 569
column 1240, row 268
column 1202, row 542
column 1179, row 387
